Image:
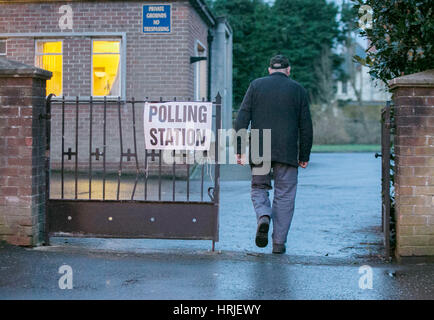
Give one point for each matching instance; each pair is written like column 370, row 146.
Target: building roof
column 204, row 11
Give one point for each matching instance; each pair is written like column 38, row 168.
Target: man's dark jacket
column 279, row 103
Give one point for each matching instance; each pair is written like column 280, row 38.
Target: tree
column 300, row 29
column 304, row 31
column 324, row 76
column 349, row 26
column 401, row 36
column 248, row 19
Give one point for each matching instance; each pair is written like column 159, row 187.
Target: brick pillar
column 413, row 96
column 22, row 153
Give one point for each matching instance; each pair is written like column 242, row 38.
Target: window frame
column 3, row 54
column 55, row 54
column 121, row 84
column 196, row 83
column 344, row 87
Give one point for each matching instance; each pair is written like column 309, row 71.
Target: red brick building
column 100, row 47
column 106, row 48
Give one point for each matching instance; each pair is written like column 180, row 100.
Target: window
column 49, row 57
column 2, row 47
column 344, row 87
column 200, row 82
column 106, row 68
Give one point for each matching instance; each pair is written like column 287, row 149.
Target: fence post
column 218, row 119
column 22, row 153
column 385, row 153
column 413, row 97
column 216, row 190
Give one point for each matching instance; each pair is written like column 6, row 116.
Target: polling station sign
column 178, row 125
column 157, row 18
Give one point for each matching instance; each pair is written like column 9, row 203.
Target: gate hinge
column 211, row 193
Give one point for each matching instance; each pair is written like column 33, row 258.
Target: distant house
column 358, row 86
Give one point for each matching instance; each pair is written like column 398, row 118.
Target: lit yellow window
column 106, row 68
column 49, row 57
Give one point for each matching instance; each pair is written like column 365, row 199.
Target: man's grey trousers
column 282, row 210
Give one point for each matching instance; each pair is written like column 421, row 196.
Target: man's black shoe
column 279, row 248
column 262, row 231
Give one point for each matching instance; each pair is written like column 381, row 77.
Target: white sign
column 178, row 125
column 157, row 18
column 65, row 21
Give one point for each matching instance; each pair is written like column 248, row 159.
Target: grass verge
column 346, row 148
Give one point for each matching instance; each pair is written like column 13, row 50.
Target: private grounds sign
column 178, row 125
column 157, row 18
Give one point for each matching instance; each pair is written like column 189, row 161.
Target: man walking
column 278, row 103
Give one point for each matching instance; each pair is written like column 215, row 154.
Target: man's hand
column 241, row 159
column 303, row 164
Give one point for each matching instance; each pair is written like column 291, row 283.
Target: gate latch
column 211, row 193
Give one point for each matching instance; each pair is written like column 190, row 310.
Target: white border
column 196, row 65
column 157, row 4
column 6, row 47
column 120, row 68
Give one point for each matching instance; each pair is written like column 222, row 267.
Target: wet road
column 335, row 231
column 33, row 274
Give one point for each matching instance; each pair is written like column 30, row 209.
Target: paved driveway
column 338, row 212
column 335, row 231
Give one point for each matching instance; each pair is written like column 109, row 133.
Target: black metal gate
column 85, row 196
column 386, row 174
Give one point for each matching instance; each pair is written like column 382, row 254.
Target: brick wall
column 20, row 49
column 77, row 66
column 413, row 96
column 22, row 153
column 157, row 65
